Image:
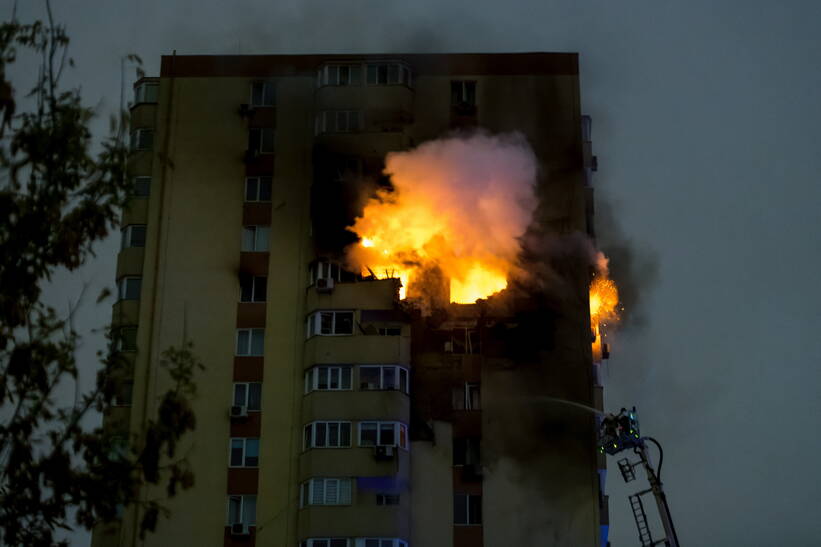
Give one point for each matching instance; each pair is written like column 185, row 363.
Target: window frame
column 244, row 457
column 326, row 71
column 136, row 181
column 137, row 139
column 324, row 269
column 141, row 96
column 312, row 377
column 311, row 444
column 325, row 117
column 314, row 323
column 462, row 99
column 257, row 246
column 127, row 236
column 268, row 93
column 467, row 498
column 120, row 345
column 395, row 542
column 314, row 542
column 259, row 180
column 403, row 71
column 244, row 500
column 310, row 492
column 261, row 142
column 400, row 433
column 123, row 286
column 247, row 395
column 398, row 373
column 251, row 333
column 254, row 289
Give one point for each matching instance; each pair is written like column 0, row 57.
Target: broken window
column 467, row 396
column 262, row 94
column 463, row 93
column 466, row 451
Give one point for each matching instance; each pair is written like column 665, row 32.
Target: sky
column 705, row 120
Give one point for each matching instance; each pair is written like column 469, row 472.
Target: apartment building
column 331, row 413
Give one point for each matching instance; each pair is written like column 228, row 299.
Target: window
column 262, row 94
column 383, row 377
column 462, row 93
column 252, row 288
column 129, row 288
column 383, row 434
column 258, row 189
column 346, row 168
column 255, row 239
column 389, row 74
column 467, row 509
column 248, row 394
column 389, row 331
column 380, row 542
column 142, row 139
column 146, row 92
column 322, row 269
column 328, row 378
column 261, row 140
column 126, row 339
column 466, row 451
column 339, row 75
column 462, row 341
column 325, row 492
column 133, row 236
column 330, row 323
column 387, row 499
column 325, row 542
column 244, row 452
column 327, row 435
column 142, row 187
column 467, row 396
column 123, row 393
column 242, row 510
column 338, row 121
column 250, row 342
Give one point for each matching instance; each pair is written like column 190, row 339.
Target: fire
column 604, row 307
column 451, row 221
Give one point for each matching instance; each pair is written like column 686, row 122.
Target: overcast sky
column 705, row 125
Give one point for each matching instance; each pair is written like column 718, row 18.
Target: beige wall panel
column 357, row 349
column 130, row 261
column 432, row 489
column 356, row 405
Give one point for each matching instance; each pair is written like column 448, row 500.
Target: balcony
column 368, row 295
column 356, row 405
column 357, row 349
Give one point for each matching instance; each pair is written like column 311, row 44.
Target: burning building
column 384, row 262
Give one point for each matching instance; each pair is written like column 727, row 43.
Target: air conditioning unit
column 240, row 529
column 246, row 110
column 324, row 284
column 384, row 452
column 239, row 411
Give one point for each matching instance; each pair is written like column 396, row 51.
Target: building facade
column 330, row 413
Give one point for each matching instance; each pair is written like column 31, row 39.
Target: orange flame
column 452, row 218
column 604, row 307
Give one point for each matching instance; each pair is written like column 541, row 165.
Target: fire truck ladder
column 641, row 519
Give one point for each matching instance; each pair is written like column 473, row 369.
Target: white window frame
column 244, row 457
column 471, row 387
column 467, row 509
column 383, row 331
column 146, row 181
column 463, row 94
column 326, row 491
column 139, row 136
column 121, row 347
column 324, row 269
column 312, row 377
column 267, row 85
column 146, row 93
column 311, row 443
column 327, row 121
column 123, row 286
column 254, row 298
column 314, row 323
column 262, row 149
column 259, row 180
column 400, row 432
column 403, row 72
column 127, row 240
column 394, row 542
column 244, row 401
column 399, row 371
column 331, row 75
column 315, row 542
column 244, row 501
column 260, row 238
column 252, row 333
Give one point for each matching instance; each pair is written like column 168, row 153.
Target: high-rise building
column 330, row 412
